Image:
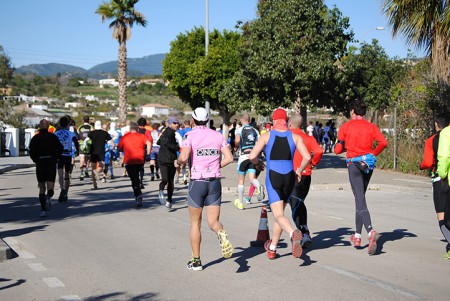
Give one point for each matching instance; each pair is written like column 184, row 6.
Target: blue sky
column 69, row 32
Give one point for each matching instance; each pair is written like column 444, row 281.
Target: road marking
column 371, row 281
column 412, row 181
column 37, row 267
column 335, row 217
column 71, row 298
column 18, row 248
column 53, row 282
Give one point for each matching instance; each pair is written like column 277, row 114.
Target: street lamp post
column 372, row 29
column 206, row 49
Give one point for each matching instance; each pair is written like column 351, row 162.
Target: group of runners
column 285, row 151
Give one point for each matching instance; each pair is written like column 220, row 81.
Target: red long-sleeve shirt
column 314, row 149
column 428, row 155
column 359, row 136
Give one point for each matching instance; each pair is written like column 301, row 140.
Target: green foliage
column 195, row 77
column 369, row 74
column 289, row 51
column 6, row 69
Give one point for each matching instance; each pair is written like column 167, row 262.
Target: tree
column 289, row 54
column 123, row 16
column 368, row 73
column 426, row 24
column 194, row 76
column 6, row 70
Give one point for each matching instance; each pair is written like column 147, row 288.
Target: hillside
column 52, row 69
column 147, row 65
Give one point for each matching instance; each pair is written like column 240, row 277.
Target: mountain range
column 147, row 65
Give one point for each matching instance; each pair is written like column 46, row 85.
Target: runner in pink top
column 206, row 146
column 203, row 147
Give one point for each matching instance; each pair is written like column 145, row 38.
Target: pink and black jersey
column 206, row 146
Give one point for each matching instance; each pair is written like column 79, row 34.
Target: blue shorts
column 154, row 153
column 204, row 193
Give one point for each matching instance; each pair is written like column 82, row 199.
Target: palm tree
column 123, row 16
column 425, row 24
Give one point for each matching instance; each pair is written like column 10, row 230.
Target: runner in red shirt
column 136, row 148
column 357, row 137
column 301, row 189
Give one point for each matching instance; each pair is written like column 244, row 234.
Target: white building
column 108, row 82
column 72, row 105
column 154, row 109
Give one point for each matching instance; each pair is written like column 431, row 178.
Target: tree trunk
column 440, row 58
column 122, row 78
column 301, row 109
column 226, row 116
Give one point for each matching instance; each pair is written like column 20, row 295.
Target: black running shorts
column 204, row 193
column 65, row 162
column 440, row 195
column 46, row 172
column 97, row 158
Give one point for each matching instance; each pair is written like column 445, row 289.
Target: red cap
column 279, row 114
column 268, row 125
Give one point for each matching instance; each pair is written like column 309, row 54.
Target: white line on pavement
column 37, row 267
column 335, row 217
column 371, row 281
column 71, row 298
column 53, row 282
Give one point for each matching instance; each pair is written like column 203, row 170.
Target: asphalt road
column 98, row 246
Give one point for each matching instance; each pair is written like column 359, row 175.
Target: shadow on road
column 122, row 296
column 330, row 160
column 397, row 234
column 17, row 283
column 241, row 258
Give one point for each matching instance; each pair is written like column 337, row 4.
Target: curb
column 14, row 167
column 5, row 251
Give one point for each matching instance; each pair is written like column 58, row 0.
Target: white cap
column 200, row 114
column 112, row 125
column 98, row 125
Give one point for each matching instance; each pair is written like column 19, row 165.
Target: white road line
column 335, row 217
column 412, row 181
column 37, row 267
column 18, row 248
column 71, row 298
column 53, row 282
column 372, row 281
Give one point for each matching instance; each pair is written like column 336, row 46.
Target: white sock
column 357, row 235
column 290, row 234
column 272, row 247
column 241, row 193
column 256, row 183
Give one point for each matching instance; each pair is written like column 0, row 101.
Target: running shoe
column 104, row 180
column 306, row 241
column 374, row 235
column 81, row 177
column 227, row 248
column 95, row 186
column 43, row 213
column 157, row 175
column 238, row 204
column 48, row 204
column 61, row 196
column 86, row 174
column 162, row 198
column 168, row 205
column 261, row 194
column 195, row 264
column 152, row 177
column 112, row 177
column 447, row 255
column 296, row 240
column 142, row 186
column 185, row 181
column 270, row 254
column 247, row 200
column 356, row 241
column 139, row 201
column 124, row 173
